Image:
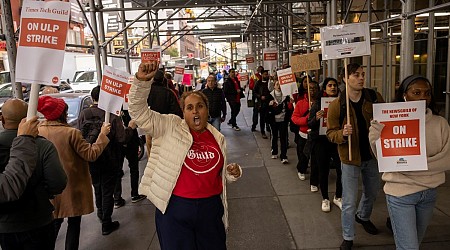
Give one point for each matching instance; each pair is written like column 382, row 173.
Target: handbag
column 250, row 101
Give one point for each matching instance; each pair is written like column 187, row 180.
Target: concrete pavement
column 270, row 208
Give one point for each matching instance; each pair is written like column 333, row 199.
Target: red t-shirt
column 200, row 175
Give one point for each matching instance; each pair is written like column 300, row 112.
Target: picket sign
column 287, row 81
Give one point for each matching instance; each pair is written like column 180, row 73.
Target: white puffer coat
column 171, row 143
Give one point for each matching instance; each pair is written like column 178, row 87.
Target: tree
column 172, row 51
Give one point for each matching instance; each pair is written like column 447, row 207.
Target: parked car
column 7, row 93
column 84, row 81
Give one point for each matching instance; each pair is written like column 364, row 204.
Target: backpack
column 343, row 107
column 91, row 127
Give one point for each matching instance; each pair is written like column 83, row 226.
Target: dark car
column 7, row 93
column 76, row 102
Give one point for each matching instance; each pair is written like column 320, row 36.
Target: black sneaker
column 138, row 198
column 389, row 225
column 368, row 225
column 110, row 227
column 253, row 129
column 346, row 245
column 119, row 203
column 263, row 135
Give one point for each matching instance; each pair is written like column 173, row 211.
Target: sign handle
column 348, row 109
column 309, row 91
column 33, row 101
column 107, row 116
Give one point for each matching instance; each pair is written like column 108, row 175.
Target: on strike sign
column 178, row 73
column 270, row 58
column 43, row 31
column 151, row 55
column 402, row 144
column 250, row 60
column 113, row 89
column 324, row 103
column 287, row 82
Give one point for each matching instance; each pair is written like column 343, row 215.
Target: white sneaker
column 326, row 206
column 314, row 189
column 274, row 156
column 338, row 202
column 301, row 176
column 284, row 161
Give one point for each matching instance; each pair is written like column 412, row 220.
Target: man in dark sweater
column 262, row 93
column 216, row 99
column 233, row 93
column 27, row 223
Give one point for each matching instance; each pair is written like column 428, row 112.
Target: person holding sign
column 362, row 161
column 411, row 196
column 75, row 153
column 323, row 149
column 187, row 170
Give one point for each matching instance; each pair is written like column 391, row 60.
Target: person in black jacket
column 262, row 93
column 325, row 150
column 233, row 93
column 27, row 223
column 216, row 99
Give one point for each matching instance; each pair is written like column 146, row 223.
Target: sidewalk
column 270, row 208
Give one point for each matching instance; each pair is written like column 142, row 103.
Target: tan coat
column 74, row 153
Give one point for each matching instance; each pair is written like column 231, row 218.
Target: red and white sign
column 402, row 144
column 113, row 89
column 43, row 33
column 188, row 77
column 244, row 79
column 127, row 91
column 251, row 62
column 324, row 103
column 287, row 82
column 151, row 55
column 178, row 73
column 270, row 59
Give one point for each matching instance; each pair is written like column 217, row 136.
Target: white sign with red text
column 126, row 92
column 42, row 42
column 287, row 82
column 324, row 103
column 188, row 77
column 113, row 89
column 178, row 73
column 402, row 144
column 251, row 62
column 270, row 59
column 244, row 79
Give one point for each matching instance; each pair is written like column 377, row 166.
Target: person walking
column 217, row 103
column 253, row 80
column 362, row 163
column 186, row 174
column 411, row 196
column 75, row 153
column 262, row 93
column 233, row 94
column 325, row 152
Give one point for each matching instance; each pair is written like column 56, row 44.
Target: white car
column 84, row 81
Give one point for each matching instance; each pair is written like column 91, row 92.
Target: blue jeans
column 410, row 216
column 371, row 184
column 215, row 121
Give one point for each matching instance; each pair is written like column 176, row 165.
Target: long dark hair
column 404, row 86
column 63, row 117
column 325, row 83
column 301, row 89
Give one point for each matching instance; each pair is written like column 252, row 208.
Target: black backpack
column 91, row 127
column 343, row 108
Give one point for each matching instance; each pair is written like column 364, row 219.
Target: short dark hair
column 404, row 86
column 95, row 93
column 351, row 68
column 264, row 71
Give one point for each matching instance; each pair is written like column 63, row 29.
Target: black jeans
column 131, row 153
column 302, row 164
column 73, row 231
column 235, row 108
column 104, row 181
column 255, row 116
column 327, row 156
column 36, row 239
column 262, row 118
column 279, row 129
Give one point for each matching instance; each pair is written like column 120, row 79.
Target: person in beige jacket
column 74, row 152
column 411, row 196
column 187, row 170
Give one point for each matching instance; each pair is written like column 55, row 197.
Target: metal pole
column 266, row 22
column 149, row 27
column 430, row 44
column 101, row 32
column 125, row 38
column 333, row 20
column 98, row 64
column 369, row 58
column 11, row 46
column 386, row 84
column 447, row 88
column 290, row 36
column 407, row 41
column 308, row 28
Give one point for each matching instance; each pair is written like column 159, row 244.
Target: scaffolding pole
column 407, row 41
column 125, row 38
column 101, row 31
column 368, row 83
column 98, row 64
column 430, row 44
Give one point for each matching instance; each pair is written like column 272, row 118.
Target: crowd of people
column 187, row 170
